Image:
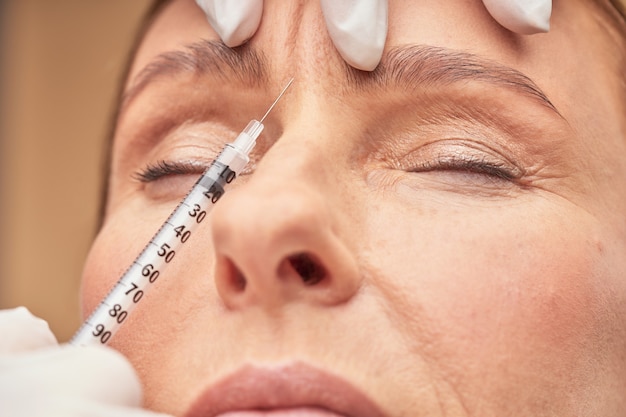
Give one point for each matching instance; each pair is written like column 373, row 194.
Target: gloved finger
column 358, row 29
column 234, row 21
column 21, row 331
column 521, row 16
column 95, row 373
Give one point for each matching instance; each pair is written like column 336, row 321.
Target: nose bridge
column 276, row 212
column 276, row 237
column 294, row 177
column 293, row 164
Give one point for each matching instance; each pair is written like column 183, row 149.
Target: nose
column 277, row 238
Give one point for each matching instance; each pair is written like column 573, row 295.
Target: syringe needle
column 276, row 101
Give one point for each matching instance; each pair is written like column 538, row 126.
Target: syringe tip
column 247, row 138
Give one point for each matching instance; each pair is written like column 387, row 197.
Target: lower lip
column 284, row 412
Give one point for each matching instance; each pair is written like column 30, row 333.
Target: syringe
column 163, row 249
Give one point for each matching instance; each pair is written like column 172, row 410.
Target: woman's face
column 442, row 236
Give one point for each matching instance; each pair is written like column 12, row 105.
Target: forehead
column 294, row 39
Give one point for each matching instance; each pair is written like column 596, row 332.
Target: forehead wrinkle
column 242, row 64
column 295, row 24
column 421, row 66
column 312, row 52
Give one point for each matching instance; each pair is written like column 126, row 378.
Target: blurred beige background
column 60, row 65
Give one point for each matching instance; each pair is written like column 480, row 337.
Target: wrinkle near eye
column 188, row 148
column 169, row 188
column 473, row 142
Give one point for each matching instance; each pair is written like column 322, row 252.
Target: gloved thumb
column 21, row 331
column 358, row 29
column 234, row 21
column 521, row 16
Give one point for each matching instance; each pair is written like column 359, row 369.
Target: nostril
column 308, row 267
column 234, row 275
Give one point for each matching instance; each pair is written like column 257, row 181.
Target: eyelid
column 162, row 168
column 470, row 164
column 463, row 155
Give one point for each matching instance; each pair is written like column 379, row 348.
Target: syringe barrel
column 161, row 251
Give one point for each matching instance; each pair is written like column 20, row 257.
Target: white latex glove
column 358, row 28
column 521, row 16
column 40, row 378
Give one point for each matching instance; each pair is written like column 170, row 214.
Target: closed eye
column 155, row 171
column 469, row 165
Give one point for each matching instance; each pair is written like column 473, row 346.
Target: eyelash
column 470, row 165
column 162, row 168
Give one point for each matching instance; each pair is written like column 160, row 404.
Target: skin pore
column 461, row 208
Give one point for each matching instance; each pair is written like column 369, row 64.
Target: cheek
column 174, row 299
column 104, row 265
column 498, row 299
column 111, row 253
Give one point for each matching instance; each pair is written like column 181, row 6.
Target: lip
column 285, row 388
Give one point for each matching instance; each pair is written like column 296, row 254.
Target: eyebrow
column 242, row 65
column 421, row 66
column 407, row 67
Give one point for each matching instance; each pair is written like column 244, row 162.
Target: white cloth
column 358, row 28
column 40, row 378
